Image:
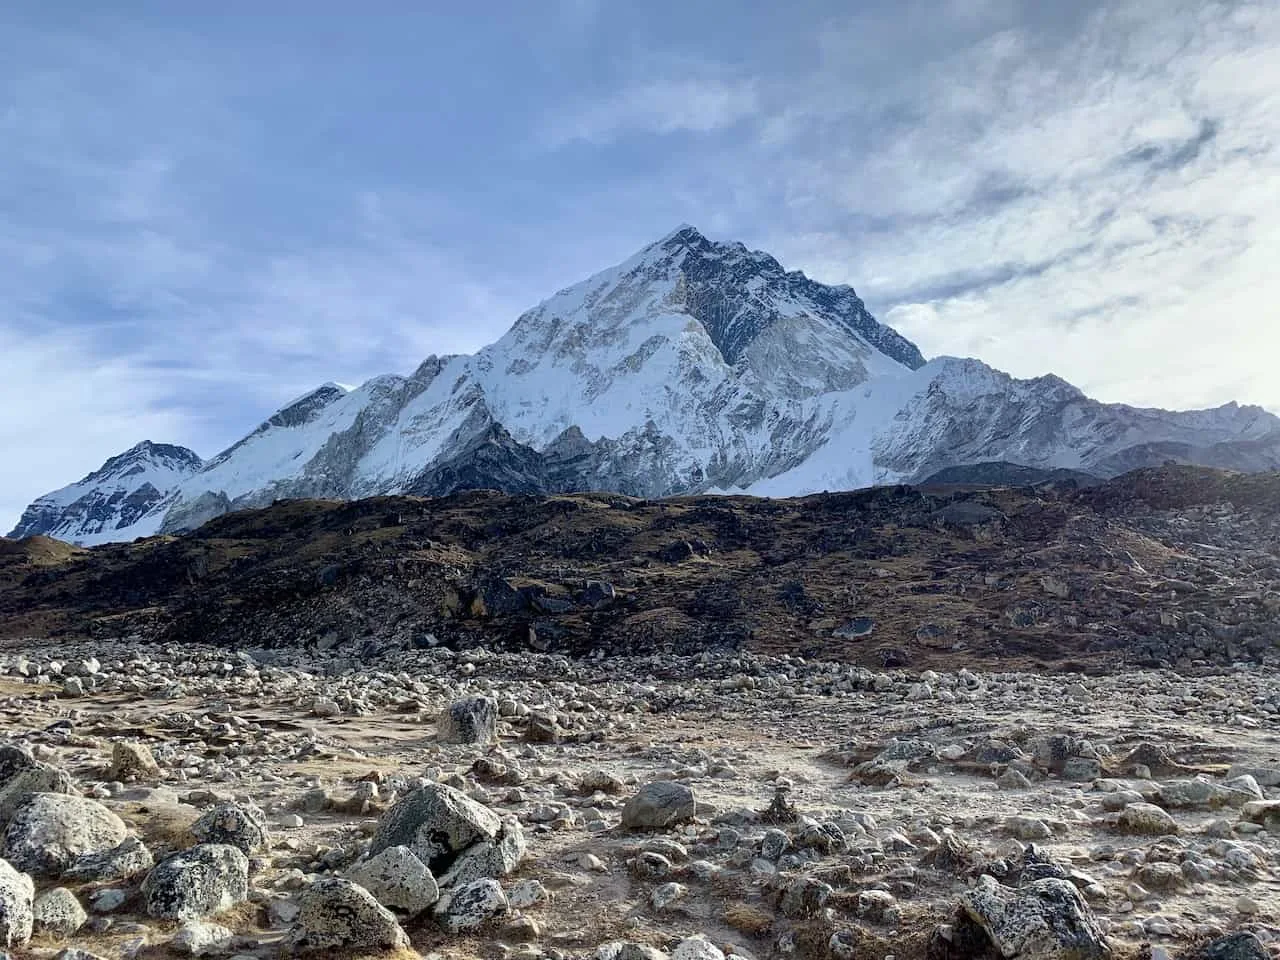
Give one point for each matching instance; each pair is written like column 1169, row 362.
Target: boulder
column 58, row 913
column 132, row 761
column 470, row 720
column 1236, row 946
column 397, row 879
column 336, row 914
column 437, row 823
column 471, row 906
column 16, row 914
column 128, row 859
column 1046, row 919
column 13, row 759
column 197, row 883
column 51, row 830
column 659, row 804
column 199, row 938
column 242, row 825
column 1146, row 818
column 36, row 778
column 488, row 858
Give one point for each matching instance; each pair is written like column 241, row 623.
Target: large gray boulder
column 1236, row 946
column 196, row 883
column 438, row 823
column 1046, row 919
column 128, row 859
column 58, row 913
column 37, row 778
column 659, row 804
column 13, row 759
column 471, row 906
column 133, row 761
column 488, row 858
column 51, row 830
column 16, row 915
column 470, row 720
column 242, row 825
column 336, row 914
column 397, row 879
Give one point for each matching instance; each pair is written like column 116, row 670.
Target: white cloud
column 688, row 99
column 1102, row 206
column 67, row 409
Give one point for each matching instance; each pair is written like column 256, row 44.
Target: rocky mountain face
column 110, row 502
column 693, row 367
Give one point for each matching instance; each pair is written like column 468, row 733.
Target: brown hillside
column 1176, row 565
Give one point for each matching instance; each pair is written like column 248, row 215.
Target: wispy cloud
column 137, row 307
column 67, row 408
column 684, row 98
column 1092, row 202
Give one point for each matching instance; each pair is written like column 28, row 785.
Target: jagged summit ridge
column 692, row 366
column 113, row 499
column 726, row 285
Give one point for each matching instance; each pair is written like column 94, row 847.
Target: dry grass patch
column 163, row 827
column 749, row 918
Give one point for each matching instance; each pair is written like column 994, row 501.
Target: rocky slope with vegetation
column 1175, row 565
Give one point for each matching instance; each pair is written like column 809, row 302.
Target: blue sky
column 204, row 214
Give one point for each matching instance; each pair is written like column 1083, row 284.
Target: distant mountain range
column 695, row 366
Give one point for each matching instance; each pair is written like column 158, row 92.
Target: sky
column 207, row 209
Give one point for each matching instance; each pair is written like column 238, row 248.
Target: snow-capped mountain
column 693, row 366
column 108, row 503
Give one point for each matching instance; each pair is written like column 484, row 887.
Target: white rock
column 59, row 913
column 50, row 830
column 16, row 914
column 335, row 914
column 667, row 894
column 697, row 948
column 198, row 938
column 398, row 879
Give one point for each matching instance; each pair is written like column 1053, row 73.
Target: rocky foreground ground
column 180, row 800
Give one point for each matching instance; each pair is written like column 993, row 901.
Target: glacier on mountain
column 693, row 366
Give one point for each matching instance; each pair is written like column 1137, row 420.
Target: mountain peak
column 688, row 239
column 737, row 293
column 146, row 452
column 685, row 232
column 114, row 497
column 694, row 365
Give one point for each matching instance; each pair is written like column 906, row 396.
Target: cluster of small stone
column 542, row 789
